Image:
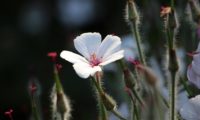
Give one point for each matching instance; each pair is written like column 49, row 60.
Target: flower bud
column 61, row 107
column 128, row 77
column 148, row 74
column 132, row 14
column 195, row 10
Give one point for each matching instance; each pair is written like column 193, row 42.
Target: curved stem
column 102, row 109
column 135, row 29
column 118, row 115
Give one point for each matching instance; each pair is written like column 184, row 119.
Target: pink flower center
column 94, row 61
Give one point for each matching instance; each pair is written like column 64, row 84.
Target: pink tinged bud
column 52, row 55
column 165, row 11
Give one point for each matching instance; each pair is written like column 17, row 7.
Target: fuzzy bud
column 128, row 76
column 61, row 107
column 148, row 74
column 132, row 14
column 108, row 102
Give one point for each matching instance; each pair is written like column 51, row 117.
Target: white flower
column 96, row 53
column 191, row 109
column 193, row 71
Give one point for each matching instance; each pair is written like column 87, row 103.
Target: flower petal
column 190, row 110
column 198, row 49
column 193, row 77
column 187, row 112
column 110, row 45
column 196, row 64
column 72, row 57
column 116, row 56
column 85, row 70
column 87, row 43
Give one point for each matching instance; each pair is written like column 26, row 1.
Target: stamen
column 93, row 60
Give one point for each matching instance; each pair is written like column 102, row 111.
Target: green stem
column 158, row 105
column 173, row 96
column 103, row 111
column 34, row 108
column 172, row 4
column 135, row 29
column 57, row 81
column 137, row 96
column 169, row 39
column 186, row 87
column 136, row 112
column 163, row 99
column 129, row 81
column 99, row 89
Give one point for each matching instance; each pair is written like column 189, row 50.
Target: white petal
column 95, row 69
column 85, row 70
column 113, row 57
column 187, row 112
column 72, row 57
column 196, row 104
column 110, row 45
column 87, row 43
column 193, row 77
column 190, row 110
column 198, row 49
column 196, row 64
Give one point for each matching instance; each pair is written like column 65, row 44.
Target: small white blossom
column 96, row 53
column 191, row 109
column 193, row 72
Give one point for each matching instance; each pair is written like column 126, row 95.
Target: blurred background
column 29, row 29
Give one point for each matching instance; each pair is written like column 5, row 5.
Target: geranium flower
column 193, row 71
column 95, row 53
column 191, row 109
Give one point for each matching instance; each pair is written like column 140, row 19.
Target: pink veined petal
column 193, row 77
column 72, row 57
column 87, row 43
column 85, row 70
column 110, row 45
column 116, row 56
